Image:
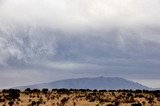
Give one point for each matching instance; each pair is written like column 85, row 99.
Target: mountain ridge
column 109, row 83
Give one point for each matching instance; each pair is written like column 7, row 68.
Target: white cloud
column 83, row 14
column 30, row 45
column 152, row 83
column 70, row 65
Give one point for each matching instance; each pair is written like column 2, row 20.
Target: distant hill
column 112, row 83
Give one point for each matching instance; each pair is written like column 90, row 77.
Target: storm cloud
column 42, row 40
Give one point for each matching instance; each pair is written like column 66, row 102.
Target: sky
column 48, row 40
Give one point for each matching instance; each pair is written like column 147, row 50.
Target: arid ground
column 83, row 97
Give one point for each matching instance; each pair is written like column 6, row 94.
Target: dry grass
column 81, row 98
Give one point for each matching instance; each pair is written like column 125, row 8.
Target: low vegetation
column 79, row 97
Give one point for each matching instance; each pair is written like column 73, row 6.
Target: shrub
column 130, row 95
column 33, row 103
column 138, row 91
column 110, row 105
column 27, row 89
column 45, row 90
column 35, row 91
column 136, row 104
column 14, row 94
column 10, row 103
column 4, row 91
column 64, row 101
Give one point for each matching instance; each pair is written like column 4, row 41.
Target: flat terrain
column 64, row 97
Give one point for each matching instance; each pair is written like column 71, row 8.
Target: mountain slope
column 90, row 83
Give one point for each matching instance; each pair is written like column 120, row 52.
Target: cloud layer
column 79, row 38
column 82, row 14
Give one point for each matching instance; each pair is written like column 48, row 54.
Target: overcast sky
column 48, row 40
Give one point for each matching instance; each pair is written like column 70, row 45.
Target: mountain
column 111, row 83
column 156, row 88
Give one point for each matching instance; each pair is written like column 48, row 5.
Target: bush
column 130, row 95
column 45, row 90
column 28, row 90
column 64, row 101
column 10, row 103
column 110, row 105
column 136, row 104
column 35, row 91
column 33, row 103
column 13, row 94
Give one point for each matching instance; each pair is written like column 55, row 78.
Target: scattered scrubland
column 79, row 97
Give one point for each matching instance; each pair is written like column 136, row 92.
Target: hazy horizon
column 48, row 40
